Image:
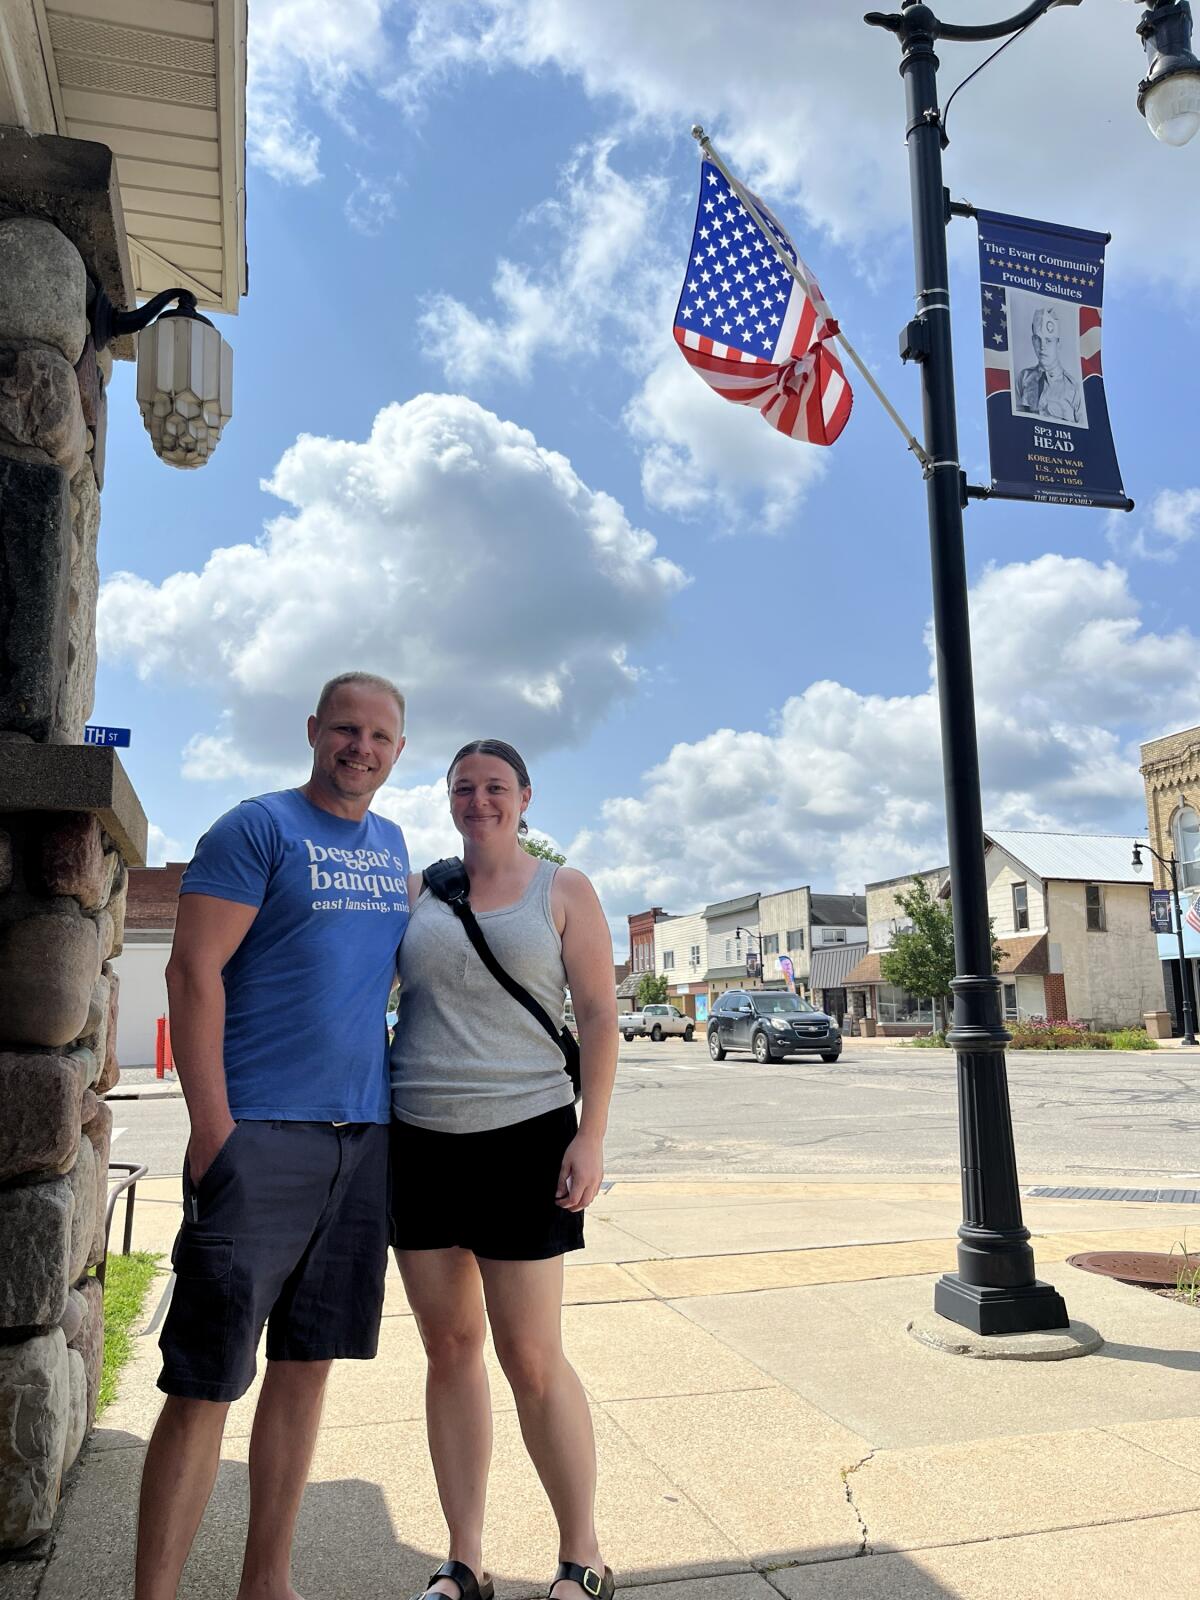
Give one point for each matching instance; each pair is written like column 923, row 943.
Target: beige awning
column 162, row 83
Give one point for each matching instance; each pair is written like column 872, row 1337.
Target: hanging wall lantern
column 184, row 374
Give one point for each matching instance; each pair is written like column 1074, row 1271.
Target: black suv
column 771, row 1024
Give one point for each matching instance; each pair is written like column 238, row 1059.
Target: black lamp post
column 995, row 1289
column 1185, row 987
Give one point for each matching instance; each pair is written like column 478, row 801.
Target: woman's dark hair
column 502, row 752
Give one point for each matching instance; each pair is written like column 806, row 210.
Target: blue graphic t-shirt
column 306, row 990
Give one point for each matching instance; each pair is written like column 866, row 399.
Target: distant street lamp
column 1185, row 987
column 1169, row 94
column 184, row 373
column 762, row 966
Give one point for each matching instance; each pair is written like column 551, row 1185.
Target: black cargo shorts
column 287, row 1229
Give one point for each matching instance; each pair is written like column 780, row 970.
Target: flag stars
column 709, row 206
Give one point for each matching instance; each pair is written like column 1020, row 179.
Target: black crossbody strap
column 447, row 880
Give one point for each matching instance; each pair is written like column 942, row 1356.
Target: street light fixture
column 762, row 966
column 184, row 373
column 1169, row 94
column 1185, row 987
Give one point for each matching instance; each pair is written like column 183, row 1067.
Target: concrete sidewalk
column 765, row 1425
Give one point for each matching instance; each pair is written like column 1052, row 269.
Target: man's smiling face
column 356, row 742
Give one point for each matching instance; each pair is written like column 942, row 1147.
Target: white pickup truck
column 658, row 1022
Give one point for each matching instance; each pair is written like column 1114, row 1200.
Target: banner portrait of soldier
column 1047, row 366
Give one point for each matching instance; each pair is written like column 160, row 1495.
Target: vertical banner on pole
column 1042, row 292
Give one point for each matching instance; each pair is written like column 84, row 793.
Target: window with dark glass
column 795, row 938
column 1020, row 893
column 1094, row 896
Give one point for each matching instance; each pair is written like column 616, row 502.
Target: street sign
column 94, row 734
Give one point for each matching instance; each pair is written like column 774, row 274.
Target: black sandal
column 469, row 1586
column 588, row 1577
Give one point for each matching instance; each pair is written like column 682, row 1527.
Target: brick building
column 1171, row 774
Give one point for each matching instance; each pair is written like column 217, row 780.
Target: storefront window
column 897, row 1005
column 1186, row 838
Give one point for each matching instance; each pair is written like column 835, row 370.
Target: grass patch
column 126, row 1284
column 926, row 1041
column 1132, row 1039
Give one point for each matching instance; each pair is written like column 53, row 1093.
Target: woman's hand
column 582, row 1172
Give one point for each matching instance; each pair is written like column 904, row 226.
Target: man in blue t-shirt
column 290, row 916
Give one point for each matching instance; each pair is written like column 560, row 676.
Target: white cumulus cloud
column 305, row 55
column 448, row 551
column 846, row 787
column 600, row 279
column 1172, row 521
column 807, row 101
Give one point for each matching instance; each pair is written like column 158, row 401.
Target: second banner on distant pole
column 1048, row 428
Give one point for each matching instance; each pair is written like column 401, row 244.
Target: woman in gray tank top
column 491, row 1169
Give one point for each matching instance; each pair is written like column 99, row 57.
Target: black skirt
column 491, row 1193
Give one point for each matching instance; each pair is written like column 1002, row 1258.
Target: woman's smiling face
column 486, row 798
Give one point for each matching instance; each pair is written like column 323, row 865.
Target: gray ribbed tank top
column 466, row 1057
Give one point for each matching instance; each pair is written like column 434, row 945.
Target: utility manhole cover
column 1131, row 1266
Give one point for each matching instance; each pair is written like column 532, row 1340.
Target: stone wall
column 63, row 876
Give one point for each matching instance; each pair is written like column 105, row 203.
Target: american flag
column 1193, row 917
column 997, row 361
column 749, row 329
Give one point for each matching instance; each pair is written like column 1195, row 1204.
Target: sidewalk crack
column 864, row 1548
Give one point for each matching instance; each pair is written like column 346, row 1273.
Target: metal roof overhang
column 162, row 83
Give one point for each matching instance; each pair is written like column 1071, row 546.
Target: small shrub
column 1131, row 1039
column 927, row 1041
column 1042, row 1033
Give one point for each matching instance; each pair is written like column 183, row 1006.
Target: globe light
column 1172, row 108
column 1169, row 94
column 184, row 386
column 1136, row 863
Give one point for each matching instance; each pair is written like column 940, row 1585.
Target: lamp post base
column 1026, row 1308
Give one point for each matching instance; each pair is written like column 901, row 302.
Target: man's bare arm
column 207, row 932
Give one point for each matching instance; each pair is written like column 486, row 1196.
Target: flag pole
column 789, row 265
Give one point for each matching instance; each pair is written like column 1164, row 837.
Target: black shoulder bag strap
column 447, row 880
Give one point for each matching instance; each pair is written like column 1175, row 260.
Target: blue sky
column 494, row 478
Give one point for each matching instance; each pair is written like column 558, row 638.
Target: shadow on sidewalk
column 1179, row 1360
column 348, row 1548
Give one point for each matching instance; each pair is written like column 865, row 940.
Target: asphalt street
column 1094, row 1116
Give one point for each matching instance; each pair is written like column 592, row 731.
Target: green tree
column 921, row 959
column 651, row 990
column 542, row 849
